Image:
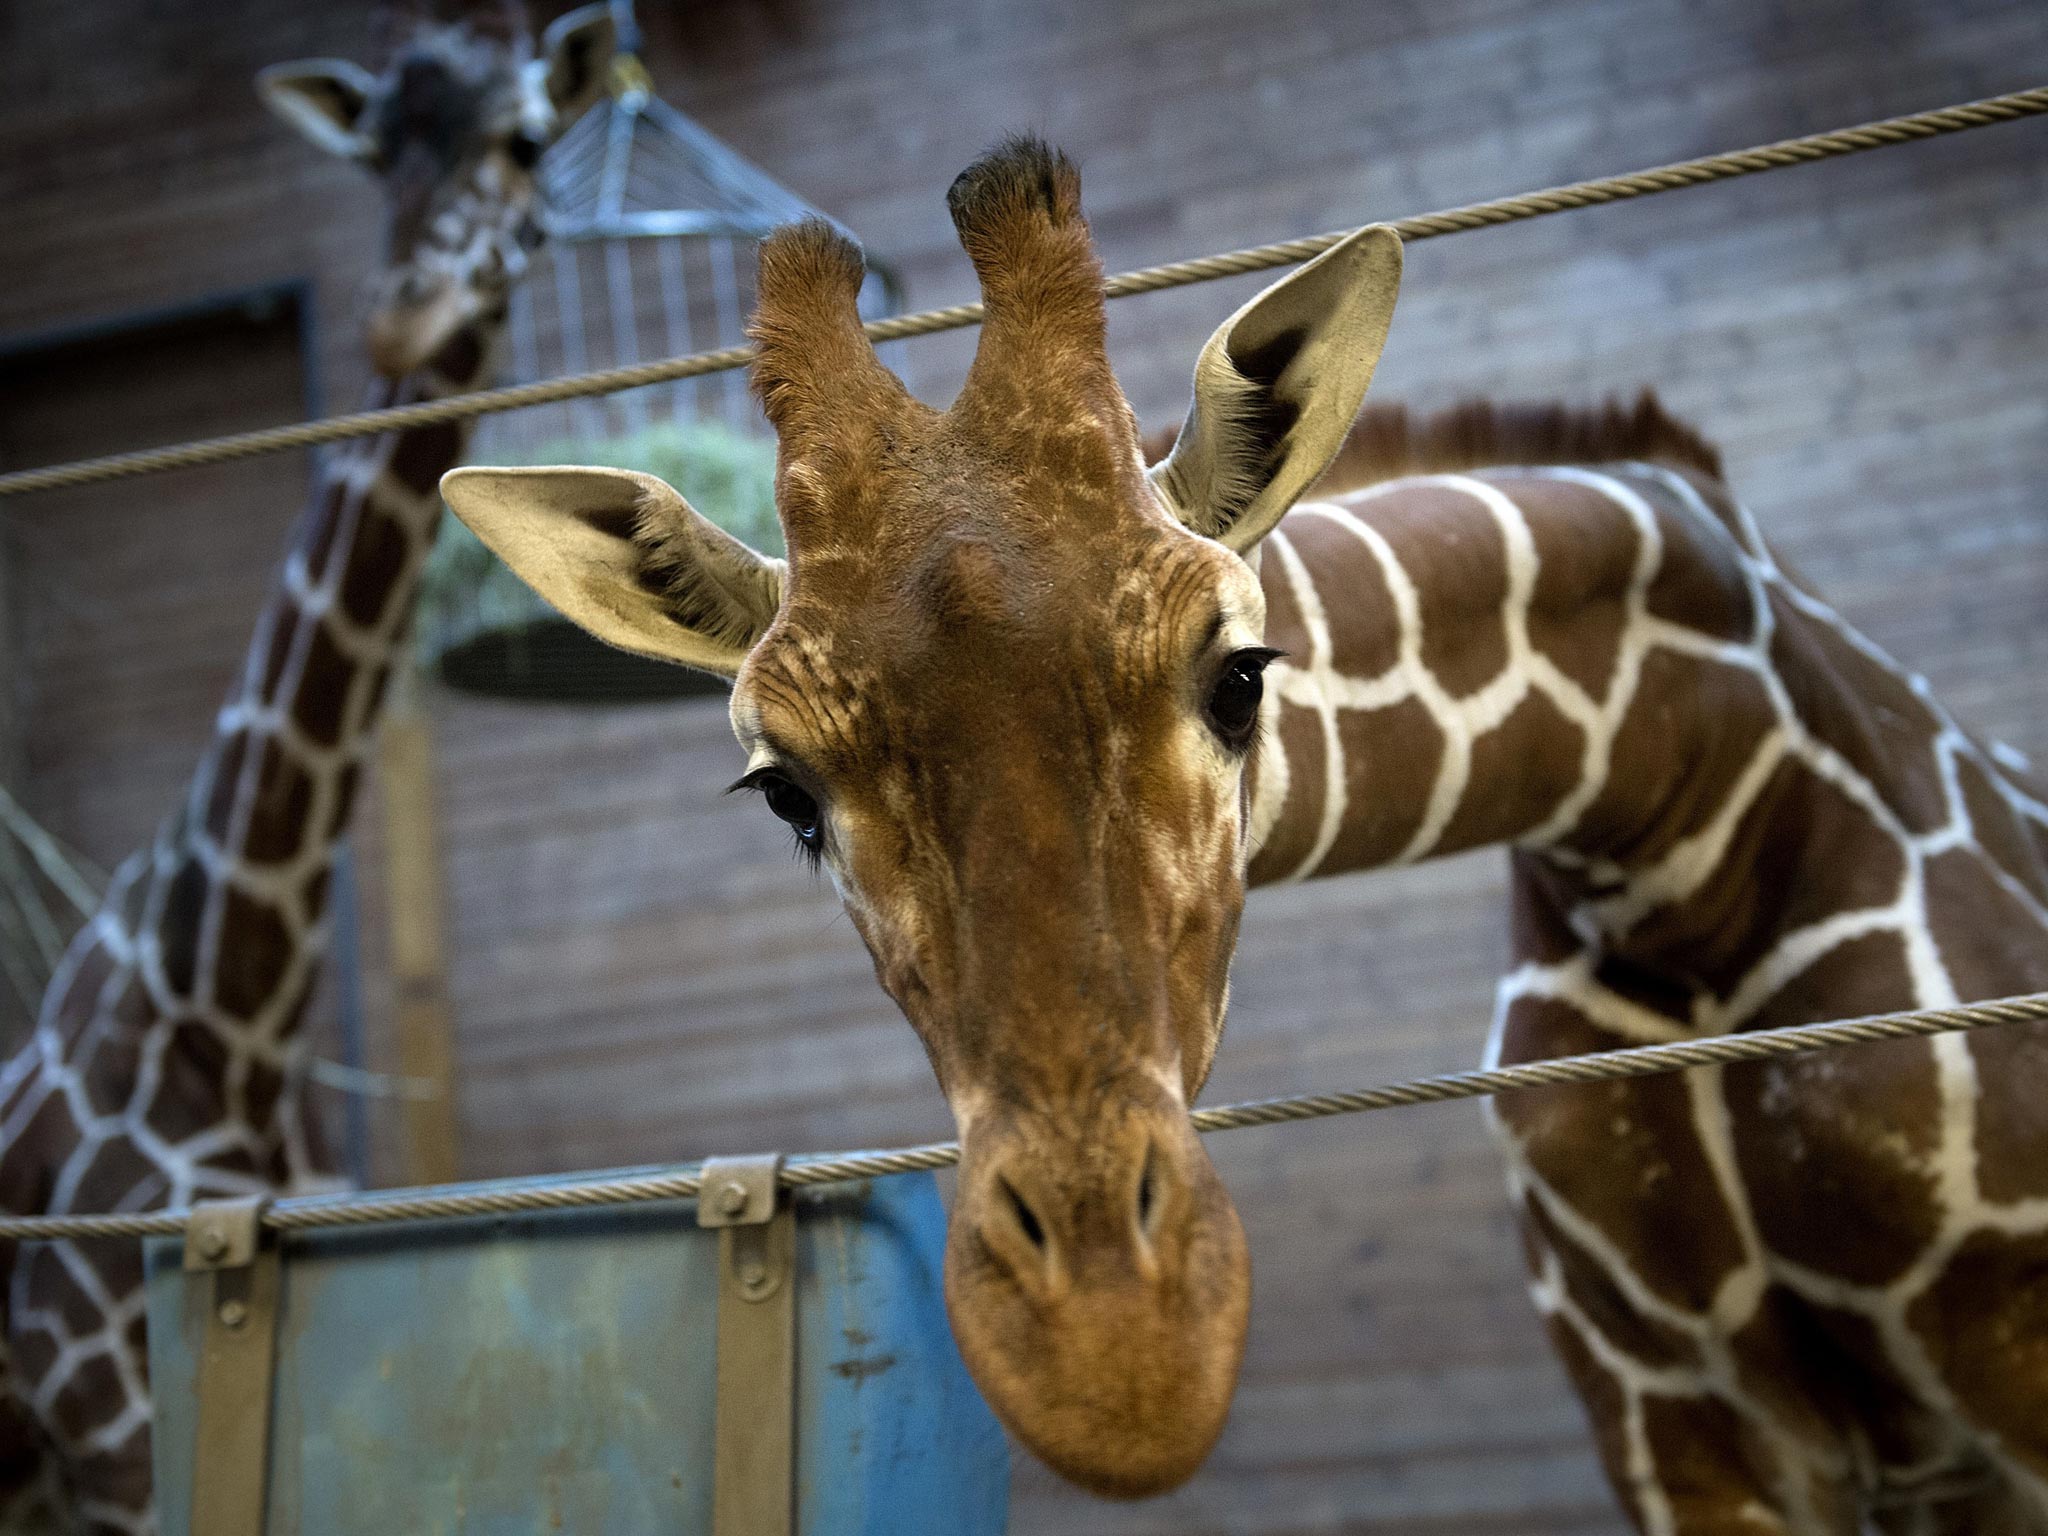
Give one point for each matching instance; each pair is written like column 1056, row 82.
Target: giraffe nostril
column 1148, row 1189
column 1027, row 1219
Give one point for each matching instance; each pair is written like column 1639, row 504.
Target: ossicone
column 1020, row 180
column 1018, row 214
column 815, row 363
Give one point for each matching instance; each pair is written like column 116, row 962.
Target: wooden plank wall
column 640, row 972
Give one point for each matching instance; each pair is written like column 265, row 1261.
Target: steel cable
column 356, row 1210
column 1201, row 269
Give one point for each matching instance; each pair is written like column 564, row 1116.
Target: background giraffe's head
column 1005, row 691
column 453, row 126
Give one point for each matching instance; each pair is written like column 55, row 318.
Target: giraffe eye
column 792, row 803
column 525, row 151
column 1233, row 707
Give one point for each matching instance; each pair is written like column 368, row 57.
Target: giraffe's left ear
column 623, row 555
column 1277, row 388
column 324, row 99
column 576, row 56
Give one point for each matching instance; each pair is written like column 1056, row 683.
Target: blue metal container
column 556, row 1372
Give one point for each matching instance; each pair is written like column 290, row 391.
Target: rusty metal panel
column 557, row 1372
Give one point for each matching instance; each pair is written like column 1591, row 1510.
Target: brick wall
column 640, row 973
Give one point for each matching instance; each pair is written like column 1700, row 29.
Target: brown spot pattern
column 122, row 1474
column 1452, row 549
column 1390, row 761
column 192, row 1093
column 1365, row 634
column 2012, row 1122
column 90, row 1396
column 345, row 784
column 50, row 1288
column 226, row 776
column 1706, row 1458
column 34, row 1352
column 1586, row 551
column 1625, row 1156
column 326, row 514
column 1990, row 943
column 1699, row 582
column 1606, row 1406
column 109, row 1070
column 1765, row 886
column 255, row 949
column 1865, row 711
column 1600, row 1301
column 178, row 933
column 1668, row 781
column 276, row 653
column 116, row 1171
column 2005, row 836
column 260, row 1093
column 50, row 1134
column 1835, row 1147
column 323, row 689
column 423, row 453
column 1985, row 1323
column 277, row 816
column 376, row 559
column 1818, row 1368
column 1993, row 947
column 1537, row 754
column 313, row 894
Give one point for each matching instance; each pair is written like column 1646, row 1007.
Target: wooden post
column 419, row 965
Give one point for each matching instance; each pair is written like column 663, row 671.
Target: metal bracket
column 236, row 1355
column 754, row 1467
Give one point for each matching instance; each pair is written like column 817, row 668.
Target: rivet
column 732, row 1199
column 233, row 1314
column 213, row 1243
column 753, row 1276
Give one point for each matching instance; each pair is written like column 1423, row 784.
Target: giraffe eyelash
column 792, row 804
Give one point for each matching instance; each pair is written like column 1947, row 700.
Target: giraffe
column 166, row 1064
column 1043, row 714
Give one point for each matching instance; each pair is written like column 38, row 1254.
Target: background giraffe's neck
column 1607, row 670
column 225, row 912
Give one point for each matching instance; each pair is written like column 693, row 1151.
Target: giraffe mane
column 1388, row 441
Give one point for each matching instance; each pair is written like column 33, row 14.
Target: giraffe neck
column 249, row 856
column 1607, row 671
column 181, row 999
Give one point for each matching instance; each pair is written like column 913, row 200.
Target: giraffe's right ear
column 324, row 99
column 1277, row 388
column 623, row 555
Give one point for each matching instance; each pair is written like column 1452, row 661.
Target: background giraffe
column 166, row 1064
column 1014, row 702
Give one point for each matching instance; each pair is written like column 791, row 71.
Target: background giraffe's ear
column 576, row 55
column 623, row 555
column 1276, row 390
column 324, row 100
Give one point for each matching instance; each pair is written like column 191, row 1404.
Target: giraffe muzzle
column 1099, row 1284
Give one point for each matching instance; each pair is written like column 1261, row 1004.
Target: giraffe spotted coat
column 1797, row 1295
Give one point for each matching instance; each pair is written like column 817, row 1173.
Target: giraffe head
column 453, row 126
column 1005, row 691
